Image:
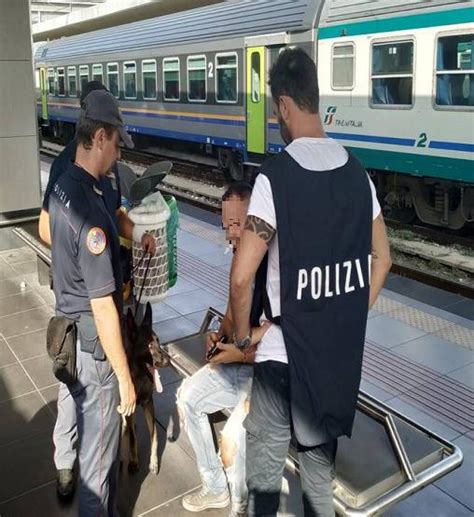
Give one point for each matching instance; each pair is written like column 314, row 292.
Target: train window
column 197, row 71
column 71, row 81
column 51, row 85
column 130, row 79
column 98, row 73
column 455, row 71
column 392, row 74
column 226, row 77
column 343, row 67
column 256, row 77
column 83, row 76
column 61, row 82
column 113, row 79
column 149, row 79
column 171, row 79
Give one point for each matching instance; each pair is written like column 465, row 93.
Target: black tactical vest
column 324, row 226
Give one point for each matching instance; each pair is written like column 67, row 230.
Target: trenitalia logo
column 330, row 112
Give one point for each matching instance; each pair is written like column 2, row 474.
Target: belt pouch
column 61, row 338
column 89, row 338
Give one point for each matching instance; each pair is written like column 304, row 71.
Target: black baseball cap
column 102, row 106
column 89, row 87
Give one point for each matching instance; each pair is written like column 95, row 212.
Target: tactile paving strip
column 419, row 319
column 457, row 334
column 207, row 232
column 446, row 399
column 199, row 272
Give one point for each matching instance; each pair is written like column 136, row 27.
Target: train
column 396, row 83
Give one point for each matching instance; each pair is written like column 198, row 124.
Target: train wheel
column 231, row 165
column 402, row 215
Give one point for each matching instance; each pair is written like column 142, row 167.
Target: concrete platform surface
column 419, row 359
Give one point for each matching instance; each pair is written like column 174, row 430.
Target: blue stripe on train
column 163, row 116
column 178, row 135
column 240, row 144
column 186, row 118
column 452, row 146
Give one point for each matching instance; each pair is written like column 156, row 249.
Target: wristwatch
column 243, row 343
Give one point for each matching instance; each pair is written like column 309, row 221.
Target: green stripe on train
column 415, row 21
column 454, row 169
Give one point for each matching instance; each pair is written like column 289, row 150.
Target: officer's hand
column 127, row 397
column 149, row 243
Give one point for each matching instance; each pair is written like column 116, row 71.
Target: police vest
column 324, row 225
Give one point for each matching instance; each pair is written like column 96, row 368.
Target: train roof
column 343, row 11
column 218, row 22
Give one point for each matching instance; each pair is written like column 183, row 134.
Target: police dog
column 144, row 360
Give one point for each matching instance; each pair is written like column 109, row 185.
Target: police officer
column 65, row 430
column 88, row 288
column 315, row 212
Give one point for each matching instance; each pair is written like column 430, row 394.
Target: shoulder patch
column 96, row 240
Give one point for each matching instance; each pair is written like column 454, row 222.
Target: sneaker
column 203, row 499
column 65, row 484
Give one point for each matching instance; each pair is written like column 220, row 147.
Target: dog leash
column 145, row 253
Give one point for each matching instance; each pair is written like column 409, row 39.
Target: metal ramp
column 388, row 458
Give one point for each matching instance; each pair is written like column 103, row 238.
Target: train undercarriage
column 437, row 202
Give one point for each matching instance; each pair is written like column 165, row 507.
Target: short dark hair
column 294, row 75
column 241, row 189
column 87, row 127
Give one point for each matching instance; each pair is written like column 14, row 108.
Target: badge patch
column 96, row 241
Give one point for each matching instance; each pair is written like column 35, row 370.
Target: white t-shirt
column 317, row 154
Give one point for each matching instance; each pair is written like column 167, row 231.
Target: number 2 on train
column 422, row 139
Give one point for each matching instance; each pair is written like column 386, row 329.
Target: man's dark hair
column 91, row 86
column 86, row 129
column 241, row 189
column 294, row 75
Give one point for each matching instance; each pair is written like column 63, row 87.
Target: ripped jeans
column 211, row 389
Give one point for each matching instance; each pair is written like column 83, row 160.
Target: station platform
column 419, row 359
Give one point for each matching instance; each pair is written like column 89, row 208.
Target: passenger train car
column 396, row 83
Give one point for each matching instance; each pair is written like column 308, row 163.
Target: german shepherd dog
column 144, row 359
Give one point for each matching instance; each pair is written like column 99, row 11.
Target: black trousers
column 269, row 428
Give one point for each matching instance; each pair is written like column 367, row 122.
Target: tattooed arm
column 256, row 238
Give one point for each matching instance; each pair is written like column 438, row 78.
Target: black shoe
column 65, row 484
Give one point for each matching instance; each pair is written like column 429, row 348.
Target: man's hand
column 226, row 329
column 231, row 354
column 127, row 396
column 228, row 354
column 149, row 243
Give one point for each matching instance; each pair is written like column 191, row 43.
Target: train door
column 256, row 100
column 44, row 94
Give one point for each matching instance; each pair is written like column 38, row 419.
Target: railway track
column 196, row 195
column 444, row 237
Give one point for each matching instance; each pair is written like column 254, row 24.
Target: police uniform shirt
column 315, row 154
column 109, row 185
column 85, row 244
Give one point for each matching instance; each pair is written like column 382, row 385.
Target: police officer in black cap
column 88, row 288
column 65, row 430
